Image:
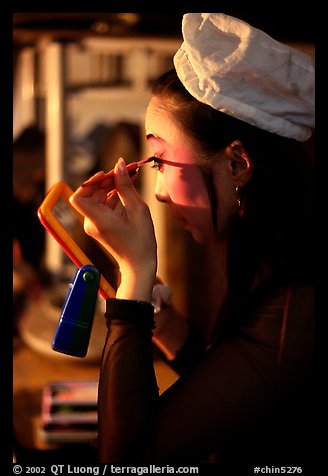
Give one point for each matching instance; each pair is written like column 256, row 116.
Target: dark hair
column 276, row 231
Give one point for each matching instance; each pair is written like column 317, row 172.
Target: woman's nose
column 160, row 189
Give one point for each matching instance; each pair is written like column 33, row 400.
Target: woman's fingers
column 100, row 180
column 112, row 200
column 120, row 220
column 102, row 196
column 124, row 186
column 124, row 200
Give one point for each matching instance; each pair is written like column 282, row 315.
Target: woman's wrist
column 136, row 286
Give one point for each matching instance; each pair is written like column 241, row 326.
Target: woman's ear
column 240, row 163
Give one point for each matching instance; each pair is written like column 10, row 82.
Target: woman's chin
column 199, row 237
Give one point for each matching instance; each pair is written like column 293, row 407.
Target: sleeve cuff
column 129, row 311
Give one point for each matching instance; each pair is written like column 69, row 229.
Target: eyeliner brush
column 132, row 169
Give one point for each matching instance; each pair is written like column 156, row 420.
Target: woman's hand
column 122, row 223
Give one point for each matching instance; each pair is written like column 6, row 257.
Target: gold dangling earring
column 238, row 196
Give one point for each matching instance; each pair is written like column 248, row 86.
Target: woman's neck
column 218, row 282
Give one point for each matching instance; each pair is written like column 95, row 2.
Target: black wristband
column 126, row 310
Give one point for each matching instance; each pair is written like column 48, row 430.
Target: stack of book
column 69, row 411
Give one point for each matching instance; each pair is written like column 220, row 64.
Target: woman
column 237, row 177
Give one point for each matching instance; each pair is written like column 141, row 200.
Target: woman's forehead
column 160, row 125
column 157, row 118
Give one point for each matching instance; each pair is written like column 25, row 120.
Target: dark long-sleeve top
column 246, row 392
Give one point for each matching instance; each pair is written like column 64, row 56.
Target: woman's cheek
column 186, row 186
column 189, row 193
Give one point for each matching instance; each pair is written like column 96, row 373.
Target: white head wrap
column 240, row 70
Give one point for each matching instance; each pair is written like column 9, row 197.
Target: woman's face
column 180, row 181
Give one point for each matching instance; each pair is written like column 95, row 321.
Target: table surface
column 33, row 370
column 35, row 364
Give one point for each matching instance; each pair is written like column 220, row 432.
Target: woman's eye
column 157, row 164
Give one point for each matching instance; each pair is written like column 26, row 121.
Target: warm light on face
column 181, row 183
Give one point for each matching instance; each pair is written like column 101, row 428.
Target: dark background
column 295, row 24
